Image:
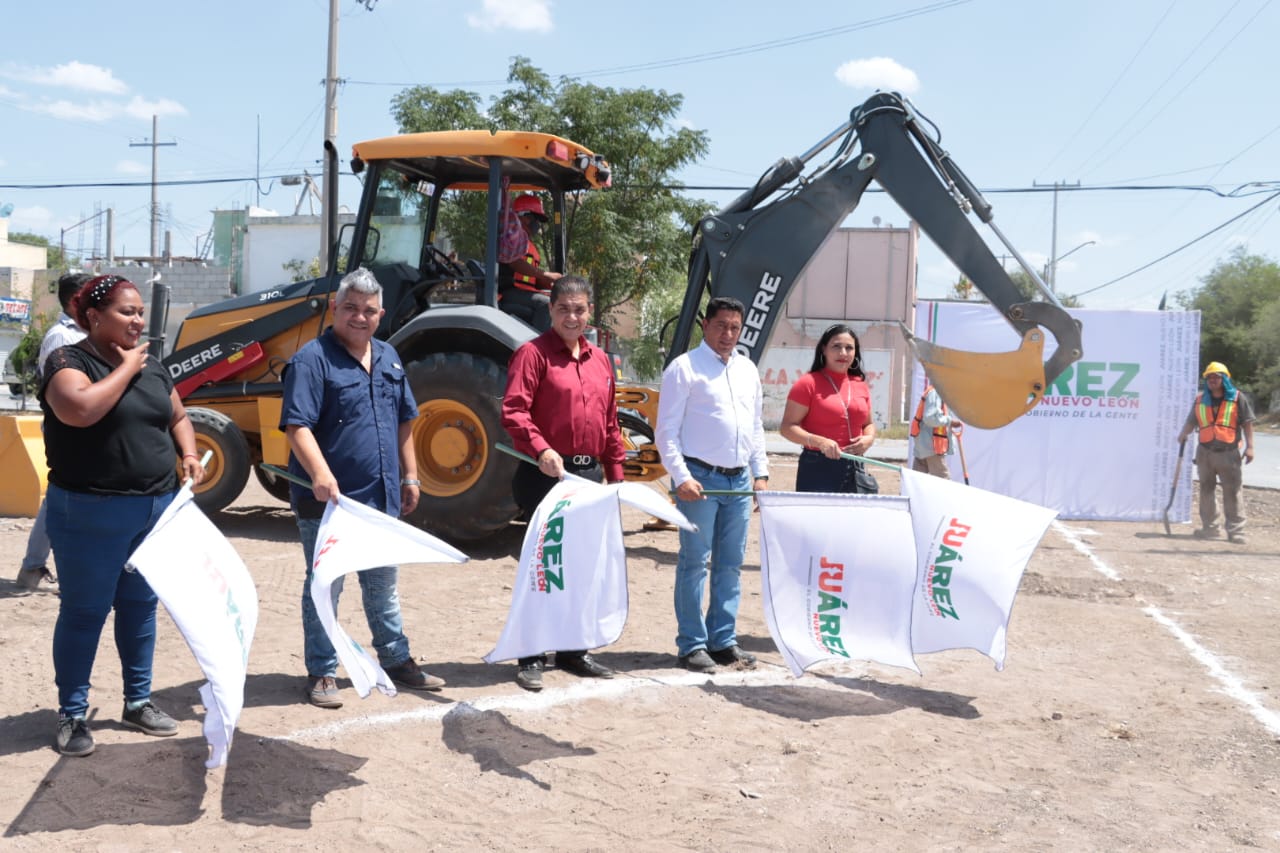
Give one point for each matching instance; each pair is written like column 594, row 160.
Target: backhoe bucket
column 22, row 465
column 985, row 390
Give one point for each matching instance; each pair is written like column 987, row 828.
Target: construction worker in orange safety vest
column 1220, row 415
column 932, row 438
column 523, row 285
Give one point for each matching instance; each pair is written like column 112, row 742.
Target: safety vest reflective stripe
column 528, row 282
column 939, row 433
column 1223, row 427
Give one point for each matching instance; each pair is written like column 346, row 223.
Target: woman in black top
column 112, row 419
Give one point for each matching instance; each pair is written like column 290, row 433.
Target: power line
column 726, row 53
column 1185, row 245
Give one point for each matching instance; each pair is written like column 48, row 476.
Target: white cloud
column 526, row 15
column 685, row 124
column 140, row 107
column 132, row 167
column 92, row 111
column 879, row 72
column 70, row 75
column 34, row 219
column 137, row 107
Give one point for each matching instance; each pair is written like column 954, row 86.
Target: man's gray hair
column 361, row 281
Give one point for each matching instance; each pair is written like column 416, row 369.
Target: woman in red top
column 829, row 412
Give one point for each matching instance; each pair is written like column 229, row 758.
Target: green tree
column 55, row 257
column 963, row 288
column 1240, row 319
column 25, row 354
column 628, row 240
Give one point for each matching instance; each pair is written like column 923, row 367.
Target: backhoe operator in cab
column 523, row 285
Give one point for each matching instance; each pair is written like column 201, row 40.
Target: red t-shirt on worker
column 822, row 393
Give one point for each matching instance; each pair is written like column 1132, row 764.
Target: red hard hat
column 529, row 203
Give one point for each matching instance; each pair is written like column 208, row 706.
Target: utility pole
column 155, row 198
column 1052, row 269
column 330, row 131
column 329, row 177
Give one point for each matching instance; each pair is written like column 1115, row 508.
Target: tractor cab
column 427, row 254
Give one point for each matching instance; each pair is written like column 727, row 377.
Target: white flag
column 571, row 585
column 837, row 575
column 354, row 537
column 972, row 547
column 207, row 590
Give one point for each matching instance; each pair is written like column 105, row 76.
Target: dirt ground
column 1136, row 712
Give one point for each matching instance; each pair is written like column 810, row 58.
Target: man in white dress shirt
column 710, row 434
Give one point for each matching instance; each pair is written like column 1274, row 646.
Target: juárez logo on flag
column 573, row 547
column 877, row 600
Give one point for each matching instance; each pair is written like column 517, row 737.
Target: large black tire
column 228, row 468
column 276, row 486
column 466, row 483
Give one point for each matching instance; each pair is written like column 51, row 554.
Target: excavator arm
column 756, row 247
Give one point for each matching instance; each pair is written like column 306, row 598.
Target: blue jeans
column 721, row 539
column 92, row 537
column 381, row 611
column 38, row 544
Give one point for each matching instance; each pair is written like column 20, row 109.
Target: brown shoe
column 323, row 692
column 409, row 674
column 36, row 579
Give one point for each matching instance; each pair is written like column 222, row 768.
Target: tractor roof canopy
column 459, row 159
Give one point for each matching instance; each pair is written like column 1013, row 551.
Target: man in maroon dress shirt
column 559, row 408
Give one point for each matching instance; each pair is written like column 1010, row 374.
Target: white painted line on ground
column 1072, row 535
column 769, row 676
column 1231, row 684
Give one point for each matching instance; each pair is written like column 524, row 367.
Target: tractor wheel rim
column 452, row 447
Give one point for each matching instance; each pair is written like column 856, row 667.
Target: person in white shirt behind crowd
column 710, row 434
column 34, row 573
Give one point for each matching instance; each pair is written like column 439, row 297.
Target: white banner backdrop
column 570, row 591
column 1103, row 443
column 206, row 588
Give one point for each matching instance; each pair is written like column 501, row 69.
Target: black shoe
column 409, row 674
column 530, row 676
column 733, row 655
column 583, row 665
column 149, row 719
column 74, row 737
column 698, row 661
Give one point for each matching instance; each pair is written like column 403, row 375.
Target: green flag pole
column 280, row 472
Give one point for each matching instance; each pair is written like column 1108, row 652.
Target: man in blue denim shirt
column 347, row 413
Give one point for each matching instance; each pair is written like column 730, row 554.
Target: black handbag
column 864, row 482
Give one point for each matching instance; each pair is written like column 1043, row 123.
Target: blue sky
column 1138, row 94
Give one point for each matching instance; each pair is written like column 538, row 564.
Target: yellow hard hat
column 1217, row 367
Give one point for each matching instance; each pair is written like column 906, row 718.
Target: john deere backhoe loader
column 443, row 317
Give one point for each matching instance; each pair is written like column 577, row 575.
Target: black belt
column 728, row 472
column 580, row 462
